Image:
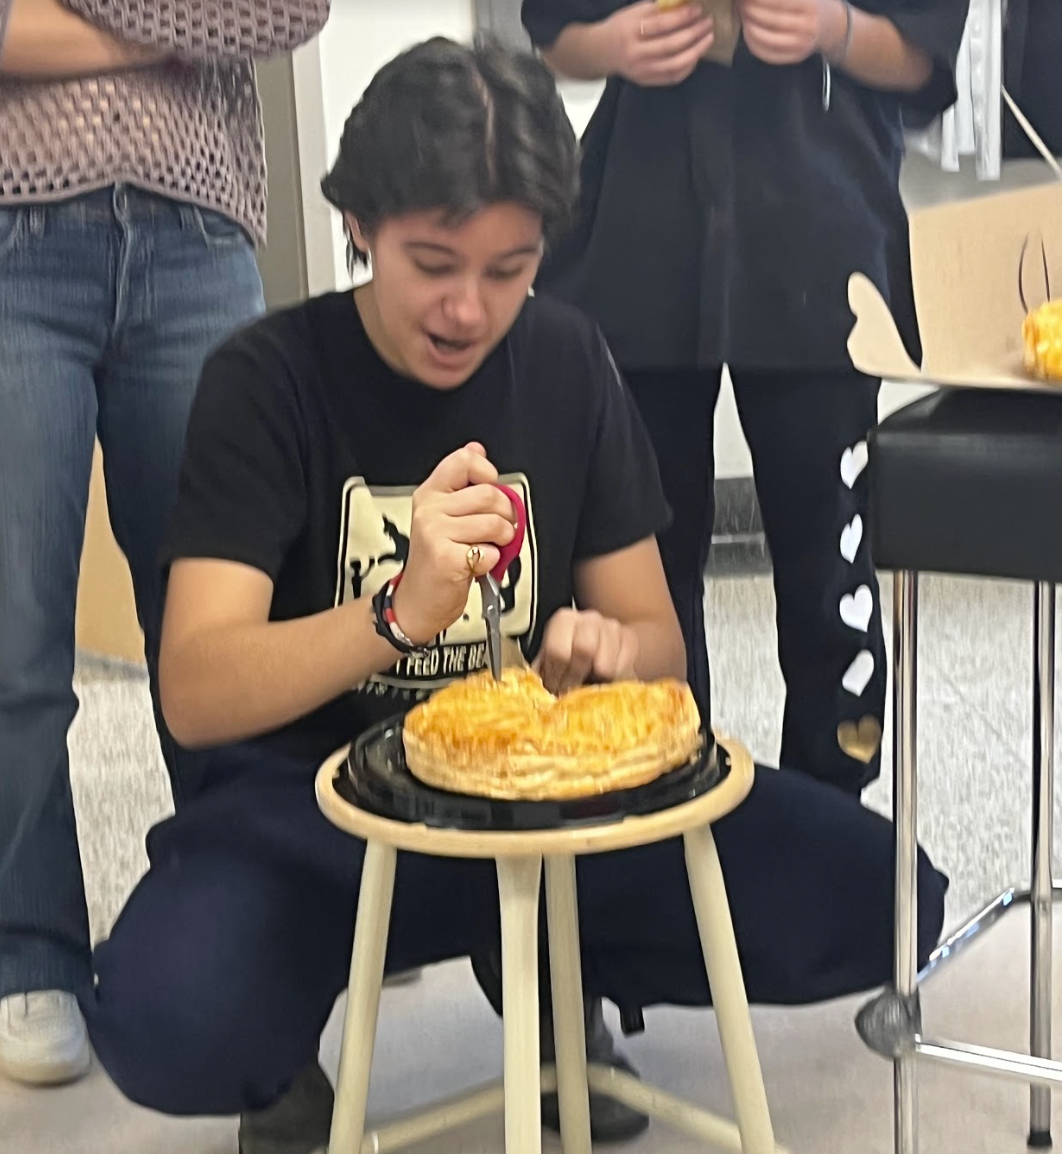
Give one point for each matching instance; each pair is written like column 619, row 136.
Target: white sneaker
column 43, row 1040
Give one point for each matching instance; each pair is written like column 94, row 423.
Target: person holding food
column 743, row 162
column 339, row 501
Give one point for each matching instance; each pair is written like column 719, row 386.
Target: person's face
column 443, row 296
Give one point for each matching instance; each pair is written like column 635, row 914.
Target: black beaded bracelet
column 383, row 612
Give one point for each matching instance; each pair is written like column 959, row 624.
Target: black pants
column 222, row 970
column 806, row 434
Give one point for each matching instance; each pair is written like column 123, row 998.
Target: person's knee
column 167, row 1035
column 826, row 889
column 868, row 889
column 865, row 892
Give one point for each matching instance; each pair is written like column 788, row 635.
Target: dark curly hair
column 457, row 128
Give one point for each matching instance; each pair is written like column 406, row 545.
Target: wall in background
column 330, row 76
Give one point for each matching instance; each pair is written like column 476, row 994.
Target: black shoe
column 299, row 1123
column 403, row 978
column 610, row 1121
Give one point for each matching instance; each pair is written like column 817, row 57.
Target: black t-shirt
column 304, row 449
column 721, row 218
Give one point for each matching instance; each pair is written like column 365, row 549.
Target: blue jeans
column 109, row 303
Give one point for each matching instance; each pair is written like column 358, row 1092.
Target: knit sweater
column 189, row 128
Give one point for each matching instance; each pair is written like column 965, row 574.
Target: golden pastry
column 1042, row 337
column 514, row 740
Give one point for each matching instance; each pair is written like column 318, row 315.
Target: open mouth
column 450, row 348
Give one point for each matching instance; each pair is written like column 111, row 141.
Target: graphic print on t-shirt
column 374, row 546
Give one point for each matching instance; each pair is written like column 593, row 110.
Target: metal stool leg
column 1042, row 842
column 728, row 992
column 363, row 999
column 519, row 882
column 905, row 808
column 568, row 1023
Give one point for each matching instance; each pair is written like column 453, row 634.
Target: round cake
column 513, row 740
column 1042, row 338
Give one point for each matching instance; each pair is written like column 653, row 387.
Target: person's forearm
column 44, row 40
column 661, row 652
column 877, row 55
column 240, row 681
column 581, row 52
column 240, row 29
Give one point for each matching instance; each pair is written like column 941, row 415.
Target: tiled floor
column 828, row 1094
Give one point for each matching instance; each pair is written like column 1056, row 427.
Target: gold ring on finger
column 474, row 556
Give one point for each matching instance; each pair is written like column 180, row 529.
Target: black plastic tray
column 375, row 778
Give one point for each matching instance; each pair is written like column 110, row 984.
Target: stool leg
column 569, row 1026
column 363, row 999
column 1042, row 842
column 905, row 811
column 728, row 992
column 519, row 882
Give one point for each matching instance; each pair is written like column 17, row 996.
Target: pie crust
column 514, row 740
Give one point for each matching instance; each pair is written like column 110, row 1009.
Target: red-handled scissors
column 490, row 583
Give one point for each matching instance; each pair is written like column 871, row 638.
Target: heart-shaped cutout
column 852, row 538
column 857, row 608
column 861, row 740
column 859, row 673
column 853, row 462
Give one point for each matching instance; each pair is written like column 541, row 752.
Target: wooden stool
column 519, row 857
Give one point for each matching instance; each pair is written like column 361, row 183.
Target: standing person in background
column 725, row 204
column 132, row 190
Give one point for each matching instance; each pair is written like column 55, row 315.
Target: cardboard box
column 971, row 262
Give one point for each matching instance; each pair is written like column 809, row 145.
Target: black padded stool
column 964, row 481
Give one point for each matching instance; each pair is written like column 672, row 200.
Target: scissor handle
column 511, row 551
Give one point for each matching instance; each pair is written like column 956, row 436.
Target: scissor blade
column 491, row 596
column 494, row 651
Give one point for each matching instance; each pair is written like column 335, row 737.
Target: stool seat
column 969, row 482
column 576, row 840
